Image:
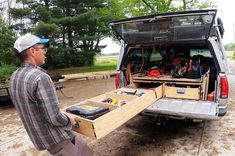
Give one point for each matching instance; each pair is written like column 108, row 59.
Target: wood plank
column 110, row 121
column 114, row 95
column 174, row 82
column 111, row 106
column 206, row 81
column 163, row 90
column 159, row 90
column 164, row 78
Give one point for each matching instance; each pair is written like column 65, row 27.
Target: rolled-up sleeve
column 48, row 102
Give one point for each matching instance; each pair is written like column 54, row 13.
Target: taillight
column 117, row 80
column 223, row 87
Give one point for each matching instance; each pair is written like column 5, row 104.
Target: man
column 33, row 94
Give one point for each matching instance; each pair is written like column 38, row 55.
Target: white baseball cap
column 28, row 40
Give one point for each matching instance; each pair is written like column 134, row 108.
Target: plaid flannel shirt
column 33, row 94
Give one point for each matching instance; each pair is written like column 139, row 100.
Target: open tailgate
column 205, row 110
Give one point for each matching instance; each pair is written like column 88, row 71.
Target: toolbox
column 88, row 111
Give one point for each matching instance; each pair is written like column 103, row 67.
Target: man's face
column 39, row 54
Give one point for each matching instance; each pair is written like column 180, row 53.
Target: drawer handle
column 180, row 91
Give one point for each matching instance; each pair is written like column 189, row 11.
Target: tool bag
column 193, row 70
column 178, row 71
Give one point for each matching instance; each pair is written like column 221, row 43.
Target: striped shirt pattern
column 34, row 96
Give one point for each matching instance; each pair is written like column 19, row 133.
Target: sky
column 226, row 11
column 112, row 47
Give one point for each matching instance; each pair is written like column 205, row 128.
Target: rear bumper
column 185, row 109
column 222, row 108
column 222, row 111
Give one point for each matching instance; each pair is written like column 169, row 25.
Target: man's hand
column 72, row 120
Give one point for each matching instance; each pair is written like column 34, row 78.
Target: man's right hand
column 73, row 120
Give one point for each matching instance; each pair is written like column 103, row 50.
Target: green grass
column 106, row 60
column 229, row 53
column 102, row 63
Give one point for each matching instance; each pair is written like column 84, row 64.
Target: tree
column 6, row 40
column 20, row 16
column 195, row 4
column 77, row 26
column 145, row 7
column 230, row 47
column 82, row 26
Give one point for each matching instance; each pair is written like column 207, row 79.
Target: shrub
column 6, row 71
column 62, row 57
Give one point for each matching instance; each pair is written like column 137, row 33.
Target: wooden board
column 85, row 126
column 118, row 115
column 169, row 82
column 164, row 78
column 114, row 96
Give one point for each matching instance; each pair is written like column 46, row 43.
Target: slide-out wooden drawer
column 117, row 115
column 182, row 92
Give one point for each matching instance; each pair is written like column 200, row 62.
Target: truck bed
column 184, row 108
